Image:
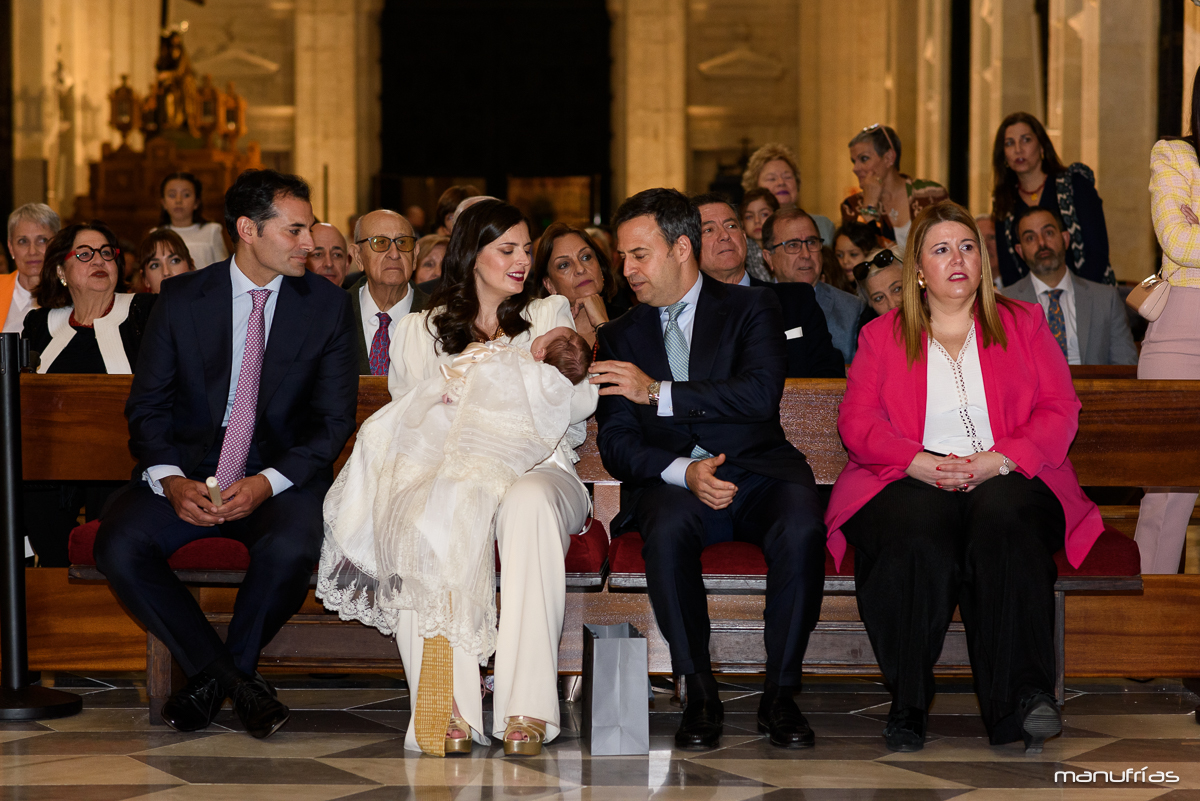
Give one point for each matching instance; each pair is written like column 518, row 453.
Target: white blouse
column 204, row 243
column 956, row 413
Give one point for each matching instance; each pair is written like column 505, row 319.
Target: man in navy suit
column 247, row 373
column 689, row 422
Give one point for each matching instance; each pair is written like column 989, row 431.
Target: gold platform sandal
column 534, row 730
column 458, row 745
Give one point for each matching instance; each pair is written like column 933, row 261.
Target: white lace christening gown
column 409, row 520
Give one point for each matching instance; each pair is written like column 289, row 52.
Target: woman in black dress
column 82, row 325
column 1027, row 172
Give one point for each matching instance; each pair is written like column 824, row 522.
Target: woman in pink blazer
column 958, row 413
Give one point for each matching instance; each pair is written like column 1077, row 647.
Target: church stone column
column 1102, row 92
column 1005, row 77
column 649, row 44
column 326, row 153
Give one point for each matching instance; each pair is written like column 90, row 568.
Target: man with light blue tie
column 246, row 374
column 689, row 422
column 384, row 250
column 1087, row 319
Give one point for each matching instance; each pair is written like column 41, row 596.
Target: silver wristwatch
column 652, row 391
column 1007, row 466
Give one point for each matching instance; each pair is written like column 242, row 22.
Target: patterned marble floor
column 344, row 741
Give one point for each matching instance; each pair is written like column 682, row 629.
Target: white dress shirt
column 370, row 322
column 22, row 303
column 243, row 305
column 1067, row 301
column 956, row 412
column 676, row 471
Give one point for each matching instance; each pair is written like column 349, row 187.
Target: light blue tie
column 678, row 353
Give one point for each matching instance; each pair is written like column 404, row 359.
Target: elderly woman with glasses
column 889, row 199
column 84, row 325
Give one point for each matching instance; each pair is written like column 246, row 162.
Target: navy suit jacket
column 810, row 350
column 307, row 392
column 729, row 404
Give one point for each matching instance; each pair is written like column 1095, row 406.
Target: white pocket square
column 793, row 333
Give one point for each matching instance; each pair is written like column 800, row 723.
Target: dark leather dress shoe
column 702, row 724
column 256, row 708
column 1040, row 720
column 259, row 679
column 783, row 721
column 905, row 730
column 195, row 706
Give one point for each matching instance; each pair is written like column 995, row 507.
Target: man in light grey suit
column 792, row 249
column 1087, row 319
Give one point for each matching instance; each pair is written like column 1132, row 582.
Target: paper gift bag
column 616, row 709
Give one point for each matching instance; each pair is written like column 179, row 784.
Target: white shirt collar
column 370, row 308
column 242, row 284
column 691, row 297
column 1066, row 285
column 22, row 294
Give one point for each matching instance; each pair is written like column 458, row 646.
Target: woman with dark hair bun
column 485, row 295
column 1027, row 172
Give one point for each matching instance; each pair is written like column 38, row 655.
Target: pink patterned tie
column 231, row 466
column 380, row 345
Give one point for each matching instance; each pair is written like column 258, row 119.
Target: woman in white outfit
column 483, row 297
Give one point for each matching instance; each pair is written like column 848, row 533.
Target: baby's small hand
column 447, row 399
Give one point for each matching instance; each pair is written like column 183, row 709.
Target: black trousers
column 139, row 532
column 781, row 517
column 920, row 551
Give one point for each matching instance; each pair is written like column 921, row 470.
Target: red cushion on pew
column 210, row 553
column 722, row 559
column 1113, row 554
column 587, row 551
column 83, row 539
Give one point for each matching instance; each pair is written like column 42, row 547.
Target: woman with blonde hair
column 1171, row 348
column 958, row 413
column 773, row 167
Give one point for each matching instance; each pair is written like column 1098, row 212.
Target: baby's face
column 538, row 347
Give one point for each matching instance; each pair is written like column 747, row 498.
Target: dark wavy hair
column 1004, row 188
column 197, row 213
column 454, row 326
column 51, row 293
column 545, row 248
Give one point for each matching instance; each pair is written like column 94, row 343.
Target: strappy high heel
column 534, row 730
column 458, row 745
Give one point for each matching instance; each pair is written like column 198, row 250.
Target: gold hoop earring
column 920, row 280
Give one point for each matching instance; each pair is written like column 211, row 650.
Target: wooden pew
column 73, row 429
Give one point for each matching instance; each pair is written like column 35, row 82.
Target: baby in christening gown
column 409, row 520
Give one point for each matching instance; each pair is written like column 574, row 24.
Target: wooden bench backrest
column 1131, row 432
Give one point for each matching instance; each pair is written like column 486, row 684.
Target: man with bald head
column 385, row 251
column 329, row 257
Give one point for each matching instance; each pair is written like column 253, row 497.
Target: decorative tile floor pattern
column 345, row 741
